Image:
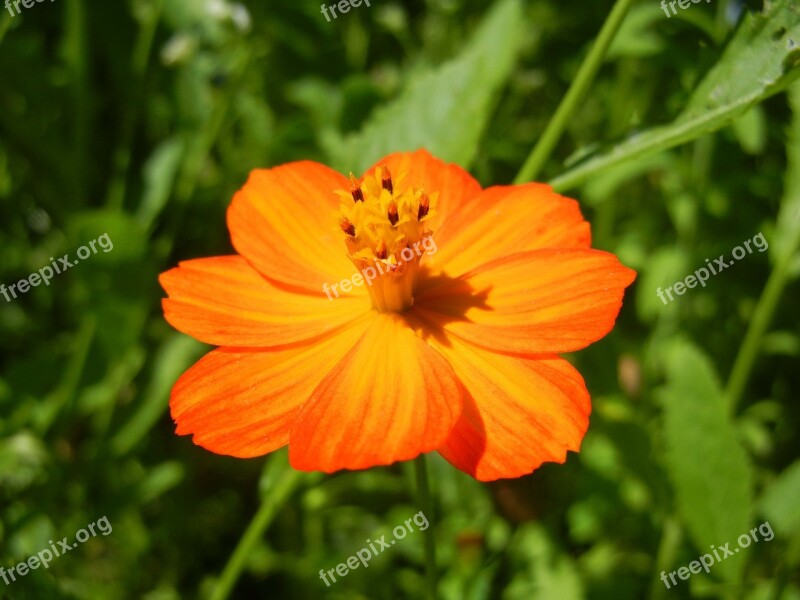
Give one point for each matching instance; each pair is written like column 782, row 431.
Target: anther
column 392, row 213
column 424, row 206
column 381, row 252
column 355, row 189
column 386, row 179
column 347, row 226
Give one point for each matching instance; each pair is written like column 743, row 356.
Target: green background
column 141, row 118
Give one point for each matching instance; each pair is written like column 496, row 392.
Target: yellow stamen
column 386, row 179
column 355, row 189
column 424, row 206
column 385, row 222
column 381, row 250
column 347, row 226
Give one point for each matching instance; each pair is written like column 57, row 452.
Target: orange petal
column 423, row 171
column 518, row 412
column 243, row 402
column 226, row 302
column 390, row 399
column 284, row 221
column 504, row 220
column 542, row 301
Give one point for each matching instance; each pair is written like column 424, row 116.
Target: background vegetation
column 140, row 118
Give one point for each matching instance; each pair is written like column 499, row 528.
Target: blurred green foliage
column 141, row 118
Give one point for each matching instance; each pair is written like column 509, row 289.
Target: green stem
column 141, row 59
column 270, row 503
column 76, row 54
column 591, row 64
column 199, row 145
column 765, row 310
column 778, row 278
column 63, row 396
column 424, row 493
column 671, row 536
column 5, row 23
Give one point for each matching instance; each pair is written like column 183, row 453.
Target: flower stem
column 671, row 536
column 765, row 310
column 270, row 503
column 584, row 78
column 786, row 249
column 424, row 493
column 141, row 59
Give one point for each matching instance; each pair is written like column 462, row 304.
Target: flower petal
column 504, row 220
column 284, row 222
column 542, row 301
column 518, row 412
column 390, row 399
column 425, row 172
column 243, row 402
column 226, row 302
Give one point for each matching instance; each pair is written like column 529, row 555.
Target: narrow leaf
column 762, row 59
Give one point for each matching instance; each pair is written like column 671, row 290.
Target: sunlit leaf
column 708, row 467
column 446, row 109
column 760, row 61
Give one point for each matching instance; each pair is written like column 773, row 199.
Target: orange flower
column 452, row 345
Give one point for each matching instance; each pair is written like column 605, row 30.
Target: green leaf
column 664, row 267
column 160, row 173
column 751, row 130
column 542, row 569
column 159, row 480
column 779, row 502
column 175, row 355
column 708, row 467
column 445, row 109
column 23, row 462
column 638, row 35
column 787, row 225
column 125, row 243
column 761, row 60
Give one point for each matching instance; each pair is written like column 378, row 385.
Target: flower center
column 386, row 234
